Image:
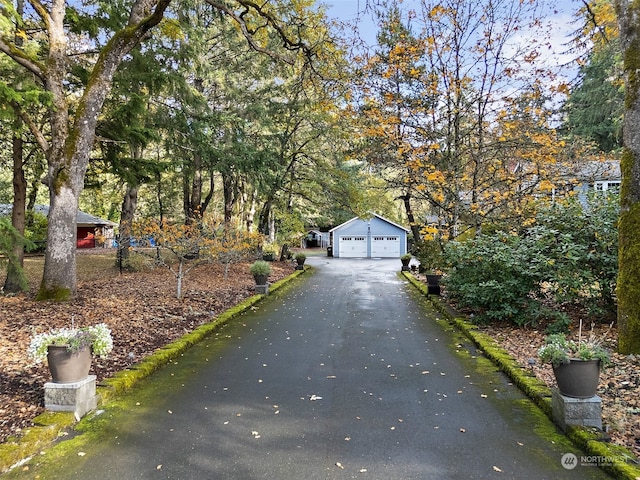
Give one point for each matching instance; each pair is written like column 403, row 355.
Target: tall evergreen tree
column 73, row 71
column 594, row 108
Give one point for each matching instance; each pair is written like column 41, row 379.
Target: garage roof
column 374, row 215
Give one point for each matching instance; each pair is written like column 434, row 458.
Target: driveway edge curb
column 49, row 426
column 589, row 440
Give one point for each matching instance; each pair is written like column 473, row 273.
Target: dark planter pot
column 66, row 367
column 433, row 284
column 261, row 279
column 578, row 378
column 269, row 257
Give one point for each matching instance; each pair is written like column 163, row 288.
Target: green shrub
column 569, row 256
column 586, row 259
column 494, row 276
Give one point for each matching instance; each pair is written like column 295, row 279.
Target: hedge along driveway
column 587, row 439
column 51, row 425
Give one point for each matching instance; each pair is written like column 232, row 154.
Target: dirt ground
column 141, row 309
column 143, row 313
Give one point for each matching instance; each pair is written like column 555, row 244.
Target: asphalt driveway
column 348, row 374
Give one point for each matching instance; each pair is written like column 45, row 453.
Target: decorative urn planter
column 69, row 351
column 578, row 378
column 576, row 364
column 406, row 260
column 260, row 271
column 66, row 366
column 300, row 258
column 433, row 284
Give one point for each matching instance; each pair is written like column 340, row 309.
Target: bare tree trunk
column 272, row 227
column 129, row 204
column 15, row 282
column 628, row 284
column 229, row 193
column 415, row 228
column 159, row 196
column 263, row 220
column 68, row 154
column 252, row 211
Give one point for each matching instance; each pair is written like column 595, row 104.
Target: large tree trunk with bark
column 68, row 154
column 15, row 282
column 628, row 285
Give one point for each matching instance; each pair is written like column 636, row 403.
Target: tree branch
column 592, row 16
column 22, row 59
column 33, row 128
column 271, row 21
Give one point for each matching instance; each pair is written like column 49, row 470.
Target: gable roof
column 374, row 215
column 83, row 219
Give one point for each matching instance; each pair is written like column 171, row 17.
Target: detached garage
column 375, row 237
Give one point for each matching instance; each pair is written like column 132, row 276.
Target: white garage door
column 352, row 246
column 387, row 246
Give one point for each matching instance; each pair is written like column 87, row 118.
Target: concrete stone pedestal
column 576, row 411
column 78, row 397
column 263, row 289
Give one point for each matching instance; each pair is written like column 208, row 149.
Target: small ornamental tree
column 181, row 247
column 186, row 244
column 232, row 246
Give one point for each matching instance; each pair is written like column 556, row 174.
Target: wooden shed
column 91, row 231
column 315, row 239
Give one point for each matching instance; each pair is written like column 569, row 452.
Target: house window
column 606, row 185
